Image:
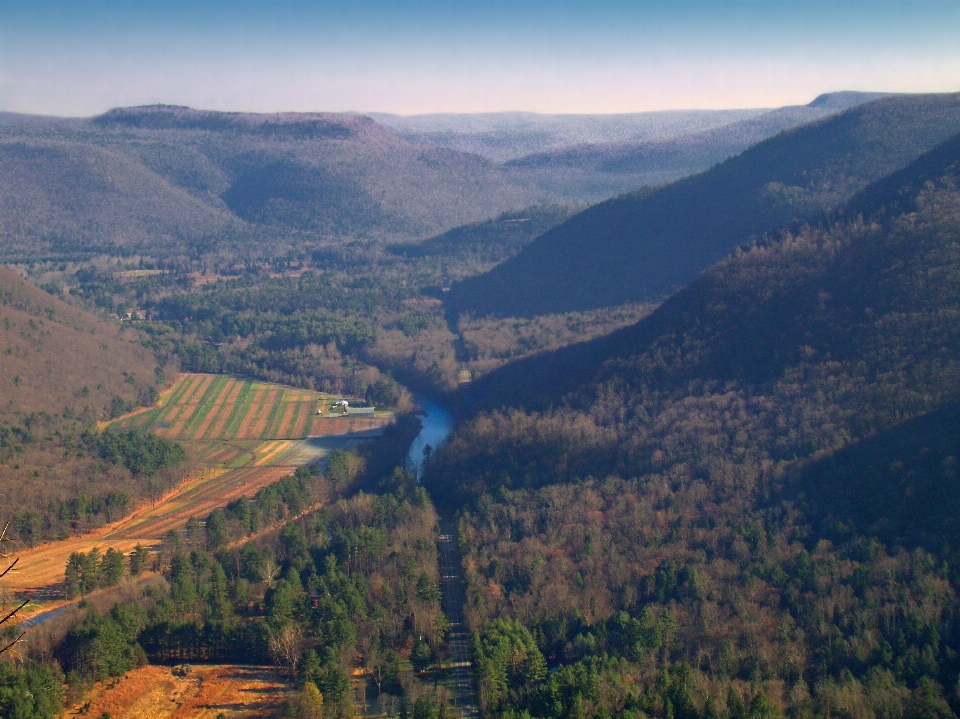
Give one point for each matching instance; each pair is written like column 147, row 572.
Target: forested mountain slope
column 61, row 371
column 641, row 246
column 490, row 241
column 704, row 515
column 867, row 305
column 140, row 178
column 596, row 171
column 54, row 356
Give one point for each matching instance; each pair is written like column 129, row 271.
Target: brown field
column 152, row 692
column 216, row 422
column 190, row 407
column 325, row 426
column 211, row 407
column 259, row 422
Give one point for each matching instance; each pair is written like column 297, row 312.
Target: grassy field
column 244, row 435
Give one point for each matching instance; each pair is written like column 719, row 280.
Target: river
column 437, row 424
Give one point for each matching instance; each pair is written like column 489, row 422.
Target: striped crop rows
column 212, row 407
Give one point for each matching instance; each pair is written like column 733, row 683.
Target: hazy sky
column 81, row 57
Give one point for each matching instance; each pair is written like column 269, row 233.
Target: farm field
column 203, row 407
column 155, row 692
column 244, row 435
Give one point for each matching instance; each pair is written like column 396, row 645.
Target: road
column 458, row 641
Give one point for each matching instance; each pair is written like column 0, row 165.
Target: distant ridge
column 174, row 177
column 600, row 170
column 504, row 136
column 641, row 246
column 173, row 117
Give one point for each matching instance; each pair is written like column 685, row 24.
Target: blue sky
column 81, row 57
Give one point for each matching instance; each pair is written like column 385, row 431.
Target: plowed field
column 210, row 407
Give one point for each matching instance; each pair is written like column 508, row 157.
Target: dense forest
column 626, row 249
column 173, row 179
column 744, row 505
column 356, row 578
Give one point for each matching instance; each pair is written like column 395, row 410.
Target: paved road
column 451, row 582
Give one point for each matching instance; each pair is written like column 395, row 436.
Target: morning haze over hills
column 185, row 177
column 691, row 385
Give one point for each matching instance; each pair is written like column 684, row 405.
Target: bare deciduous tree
column 269, row 571
column 286, row 645
column 11, row 615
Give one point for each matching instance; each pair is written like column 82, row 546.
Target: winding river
column 437, row 424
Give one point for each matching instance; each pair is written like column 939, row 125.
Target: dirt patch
column 326, row 426
column 203, row 691
column 268, row 452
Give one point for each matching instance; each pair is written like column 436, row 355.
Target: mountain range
column 832, row 333
column 510, row 136
column 647, row 244
column 598, row 170
column 164, row 176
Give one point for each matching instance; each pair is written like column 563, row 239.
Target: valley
column 687, row 452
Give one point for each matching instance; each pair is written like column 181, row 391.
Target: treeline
column 279, row 501
column 143, row 453
column 86, row 572
column 31, row 691
column 352, row 586
column 127, row 466
column 287, row 497
column 325, row 330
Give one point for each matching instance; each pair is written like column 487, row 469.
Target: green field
column 213, row 407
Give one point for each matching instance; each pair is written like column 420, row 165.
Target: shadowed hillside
column 490, row 241
column 902, row 485
column 708, row 509
column 641, row 246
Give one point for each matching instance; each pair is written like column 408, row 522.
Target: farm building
column 360, row 411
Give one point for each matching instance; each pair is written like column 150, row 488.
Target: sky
column 83, row 57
